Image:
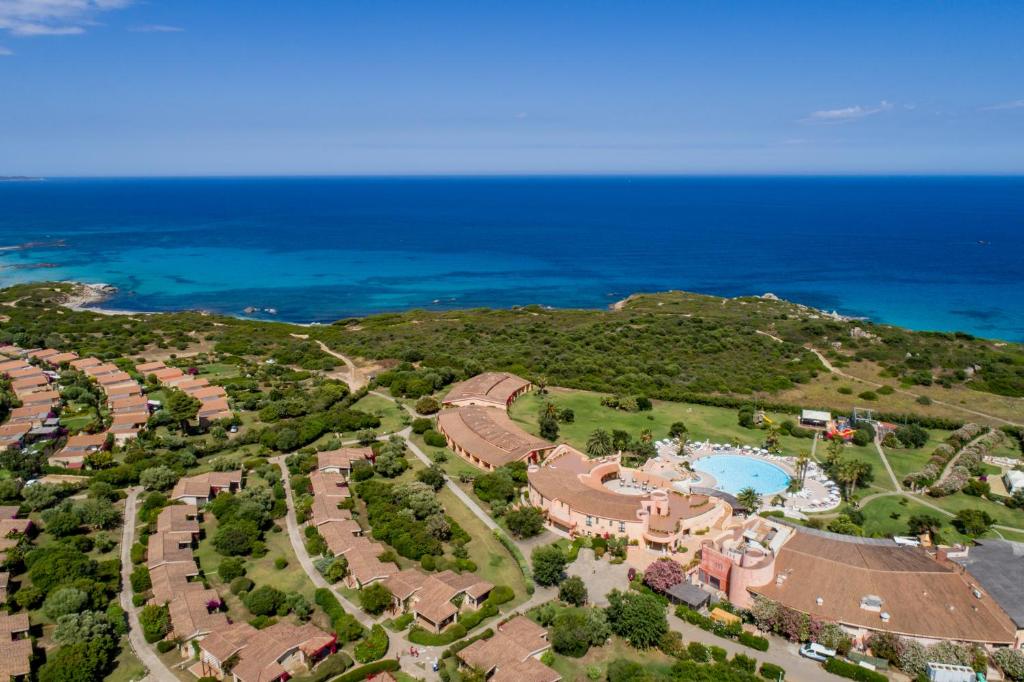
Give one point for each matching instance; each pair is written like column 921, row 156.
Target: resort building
column 277, row 652
column 487, row 438
column 436, row 599
column 200, row 489
column 583, row 496
column 998, row 567
column 213, row 400
column 512, row 654
column 872, row 585
column 342, row 460
column 15, row 647
column 816, row 419
column 490, row 389
column 77, row 448
column 740, row 557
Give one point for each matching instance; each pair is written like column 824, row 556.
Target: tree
column 924, row 523
column 82, row 661
column 664, row 574
column 850, row 472
column 574, row 631
column 802, row 463
column 375, row 598
column 599, row 443
column 391, row 461
column 525, row 522
column 64, row 601
column 158, row 478
column 973, row 522
column 497, row 485
column 912, row 436
column 265, row 600
column 548, row 425
column 677, row 430
column 80, row 627
column 749, row 499
column 427, row 405
column 180, row 407
column 637, row 617
column 548, row 564
column 61, row 522
column 236, row 538
column 433, row 476
column 573, row 591
column 155, row 621
column 419, row 498
column 231, row 568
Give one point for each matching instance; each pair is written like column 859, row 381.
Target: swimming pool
column 734, row 473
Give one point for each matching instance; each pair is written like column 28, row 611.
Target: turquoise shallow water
column 927, row 253
column 734, row 473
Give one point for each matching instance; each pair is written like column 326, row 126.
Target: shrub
column 770, row 671
column 663, row 574
column 375, row 598
column 421, row 425
column 265, row 600
column 573, row 591
column 753, row 641
column 427, row 405
column 525, row 522
column 698, row 652
column 241, row 584
column 373, row 647
column 345, row 625
column 744, row 662
column 548, row 564
column 280, row 563
column 140, row 579
column 453, row 632
column 164, row 645
column 155, row 621
column 852, row 671
column 231, row 568
column 434, row 439
column 362, row 672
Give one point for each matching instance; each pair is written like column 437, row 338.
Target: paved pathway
column 888, row 467
column 156, row 668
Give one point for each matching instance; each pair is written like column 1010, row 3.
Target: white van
column 816, row 652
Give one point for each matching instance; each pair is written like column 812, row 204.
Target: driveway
column 600, row 576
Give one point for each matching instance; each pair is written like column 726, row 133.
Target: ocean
column 935, row 253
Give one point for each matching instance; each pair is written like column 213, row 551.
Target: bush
column 421, row 425
column 345, row 625
column 427, row 405
column 573, row 591
column 375, row 598
column 744, row 662
column 231, row 568
column 280, row 563
column 753, row 641
column 770, row 671
column 453, row 632
column 164, row 645
column 140, row 579
column 373, row 647
column 548, row 564
column 434, row 439
column 525, row 522
column 155, row 621
column 265, row 601
column 241, row 584
column 852, row 671
column 362, row 672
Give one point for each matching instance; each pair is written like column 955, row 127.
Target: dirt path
column 356, row 380
column 888, row 467
column 838, row 372
column 952, row 460
column 155, row 667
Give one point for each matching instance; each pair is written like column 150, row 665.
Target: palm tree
column 599, row 443
column 802, row 462
column 749, row 499
column 849, row 472
column 835, row 449
column 773, row 441
column 646, row 436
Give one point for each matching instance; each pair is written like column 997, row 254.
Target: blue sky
column 183, row 87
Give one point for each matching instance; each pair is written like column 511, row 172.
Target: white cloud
column 1015, row 104
column 846, row 114
column 52, row 17
column 156, row 28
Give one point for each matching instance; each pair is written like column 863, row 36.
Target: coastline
column 86, row 297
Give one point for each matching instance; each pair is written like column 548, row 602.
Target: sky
column 349, row 87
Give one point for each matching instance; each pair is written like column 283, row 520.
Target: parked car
column 816, row 652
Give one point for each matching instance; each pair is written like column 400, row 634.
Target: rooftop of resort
column 571, row 477
column 878, row 585
column 511, row 653
column 206, row 485
column 496, row 389
column 342, row 459
column 998, row 565
column 489, row 435
column 15, row 646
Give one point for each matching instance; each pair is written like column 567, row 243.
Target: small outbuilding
column 688, row 594
column 818, row 419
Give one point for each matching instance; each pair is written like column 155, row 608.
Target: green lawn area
column 129, row 667
column 218, row 370
column 575, row 669
column 703, row 422
column 392, row 417
column 878, row 521
column 1003, row 515
column 493, row 561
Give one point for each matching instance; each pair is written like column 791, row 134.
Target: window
column 590, row 520
column 622, row 526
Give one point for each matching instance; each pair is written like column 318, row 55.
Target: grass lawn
column 716, row 423
column 575, row 669
column 493, row 561
column 218, row 370
column 1003, row 515
column 392, row 417
column 878, row 521
column 128, row 667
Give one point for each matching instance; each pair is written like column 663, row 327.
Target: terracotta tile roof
column 566, row 476
column 922, row 597
column 258, row 660
column 61, row 358
column 85, row 441
column 130, row 403
column 489, row 434
column 166, row 548
column 9, row 511
column 216, row 408
column 364, row 565
column 149, row 367
column 12, row 526
column 201, row 485
column 342, row 458
column 404, row 583
column 44, row 353
column 27, row 371
column 178, row 518
column 343, row 536
column 83, row 363
column 29, row 383
column 191, row 617
column 114, row 378
column 171, row 580
column 510, row 653
column 167, row 373
column 324, row 510
column 15, row 656
column 204, row 392
column 434, row 599
column 489, row 388
column 329, row 485
column 122, row 390
column 222, row 644
column 9, row 365
column 101, row 369
column 40, row 398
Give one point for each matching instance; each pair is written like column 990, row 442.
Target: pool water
column 734, row 473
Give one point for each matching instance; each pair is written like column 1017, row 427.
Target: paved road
column 156, row 668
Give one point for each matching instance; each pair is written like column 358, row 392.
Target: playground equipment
column 840, row 428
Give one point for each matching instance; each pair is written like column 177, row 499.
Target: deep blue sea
column 927, row 253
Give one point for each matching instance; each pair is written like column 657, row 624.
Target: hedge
column 364, row 671
column 770, row 671
column 335, row 664
column 853, row 672
column 345, row 625
column 373, row 647
column 753, row 641
column 459, row 646
column 420, row 636
column 513, row 549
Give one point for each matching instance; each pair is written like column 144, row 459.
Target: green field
column 703, row 422
column 392, row 417
column 878, row 521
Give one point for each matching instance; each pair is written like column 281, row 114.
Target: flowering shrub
column 663, row 575
column 1011, row 662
